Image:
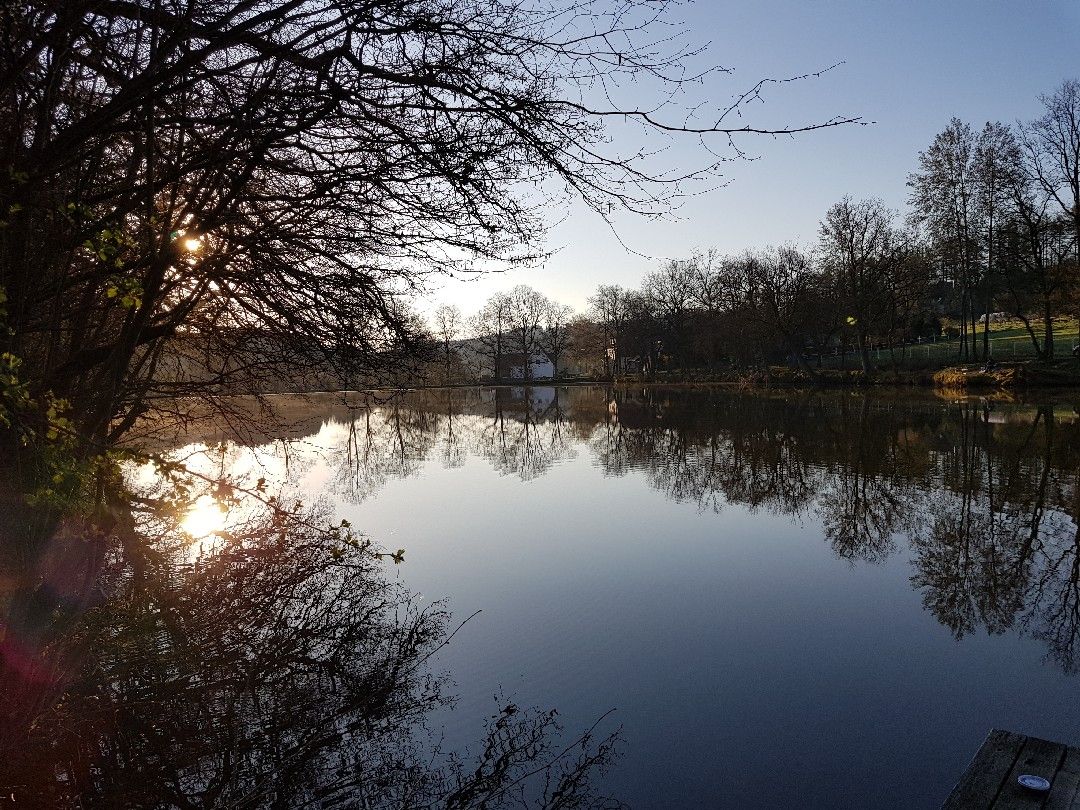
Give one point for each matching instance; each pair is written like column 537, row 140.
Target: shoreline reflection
column 983, row 497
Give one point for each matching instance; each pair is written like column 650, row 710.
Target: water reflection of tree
column 1055, row 614
column 1000, row 547
column 522, row 434
column 452, row 445
column 393, row 438
column 384, row 441
column 989, row 507
column 985, row 498
column 973, row 555
column 708, row 450
column 865, row 500
column 281, row 669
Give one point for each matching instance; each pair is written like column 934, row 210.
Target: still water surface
column 790, row 600
column 777, row 599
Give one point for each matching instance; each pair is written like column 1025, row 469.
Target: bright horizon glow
column 909, row 67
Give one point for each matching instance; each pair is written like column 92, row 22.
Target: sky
column 908, row 66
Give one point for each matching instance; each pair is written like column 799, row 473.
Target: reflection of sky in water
column 748, row 664
column 745, row 661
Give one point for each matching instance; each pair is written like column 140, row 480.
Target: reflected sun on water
column 835, row 550
column 204, row 519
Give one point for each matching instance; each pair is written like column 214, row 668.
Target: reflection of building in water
column 513, row 367
column 537, row 397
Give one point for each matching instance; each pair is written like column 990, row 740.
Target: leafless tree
column 1052, row 146
column 586, row 345
column 859, row 245
column 527, row 309
column 610, row 306
column 785, row 287
column 491, row 327
column 707, row 298
column 944, row 198
column 554, row 336
column 670, row 291
column 1036, row 242
column 196, row 192
column 448, row 324
column 995, row 164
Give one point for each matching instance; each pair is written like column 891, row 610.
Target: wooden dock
column 990, row 780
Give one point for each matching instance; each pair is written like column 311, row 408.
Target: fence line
column 941, row 353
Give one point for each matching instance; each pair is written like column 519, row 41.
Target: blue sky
column 909, row 66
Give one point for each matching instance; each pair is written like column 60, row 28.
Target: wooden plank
column 982, row 780
column 1065, row 794
column 1039, row 758
column 1072, row 761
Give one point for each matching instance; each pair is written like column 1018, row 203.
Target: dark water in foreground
column 790, row 600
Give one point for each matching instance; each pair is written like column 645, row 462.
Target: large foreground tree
column 198, row 194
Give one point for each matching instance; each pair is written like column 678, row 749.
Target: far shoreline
column 975, row 378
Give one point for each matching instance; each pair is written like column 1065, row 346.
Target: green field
column 1008, row 341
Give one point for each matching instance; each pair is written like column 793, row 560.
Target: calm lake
column 788, row 599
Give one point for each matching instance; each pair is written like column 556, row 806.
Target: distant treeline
column 992, row 226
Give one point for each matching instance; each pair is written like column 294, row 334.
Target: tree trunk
column 1031, row 334
column 1048, row 330
column 526, row 354
column 974, row 330
column 864, row 354
column 962, row 355
column 797, row 357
